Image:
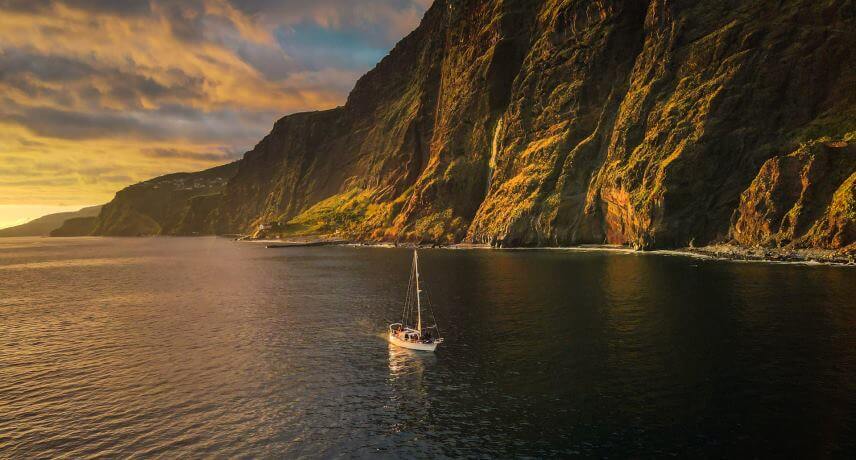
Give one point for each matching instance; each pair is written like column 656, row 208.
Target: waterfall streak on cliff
column 494, row 146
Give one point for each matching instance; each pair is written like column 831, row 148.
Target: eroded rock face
column 647, row 122
column 517, row 122
column 804, row 199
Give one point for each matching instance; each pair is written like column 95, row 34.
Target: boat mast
column 418, row 301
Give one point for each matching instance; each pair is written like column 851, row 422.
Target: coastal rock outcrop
column 160, row 206
column 803, row 199
column 76, row 226
column 651, row 124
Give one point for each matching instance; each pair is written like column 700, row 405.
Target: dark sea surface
column 200, row 347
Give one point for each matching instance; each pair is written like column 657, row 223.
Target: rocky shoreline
column 730, row 252
column 760, row 254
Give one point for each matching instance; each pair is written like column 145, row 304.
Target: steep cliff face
column 376, row 144
column 806, row 199
column 643, row 125
column 76, row 226
column 160, row 206
column 648, row 123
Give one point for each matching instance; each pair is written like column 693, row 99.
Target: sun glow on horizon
column 12, row 215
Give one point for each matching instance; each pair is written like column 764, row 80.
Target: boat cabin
column 409, row 334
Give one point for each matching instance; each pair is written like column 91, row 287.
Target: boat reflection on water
column 408, row 382
column 408, row 364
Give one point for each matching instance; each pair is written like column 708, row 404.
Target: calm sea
column 205, row 347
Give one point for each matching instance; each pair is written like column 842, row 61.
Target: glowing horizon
column 27, row 212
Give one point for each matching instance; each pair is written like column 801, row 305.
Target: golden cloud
column 95, row 96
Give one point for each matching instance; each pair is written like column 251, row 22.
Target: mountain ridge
column 43, row 226
column 522, row 123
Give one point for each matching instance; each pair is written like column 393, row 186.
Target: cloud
column 173, row 153
column 139, row 126
column 17, row 63
column 128, row 7
column 75, row 125
column 97, row 94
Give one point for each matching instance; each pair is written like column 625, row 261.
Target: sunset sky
column 99, row 94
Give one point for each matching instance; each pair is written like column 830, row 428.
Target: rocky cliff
column 76, row 226
column 655, row 123
column 162, row 206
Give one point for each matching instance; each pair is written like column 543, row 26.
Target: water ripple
column 203, row 347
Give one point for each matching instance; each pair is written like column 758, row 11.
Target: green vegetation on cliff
column 161, row 206
column 521, row 122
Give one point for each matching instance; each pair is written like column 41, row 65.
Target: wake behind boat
column 408, row 334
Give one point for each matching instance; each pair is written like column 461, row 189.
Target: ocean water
column 201, row 347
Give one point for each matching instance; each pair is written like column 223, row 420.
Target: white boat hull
column 412, row 345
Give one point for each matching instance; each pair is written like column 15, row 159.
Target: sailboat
column 407, row 334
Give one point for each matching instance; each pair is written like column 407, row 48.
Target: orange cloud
column 97, row 95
